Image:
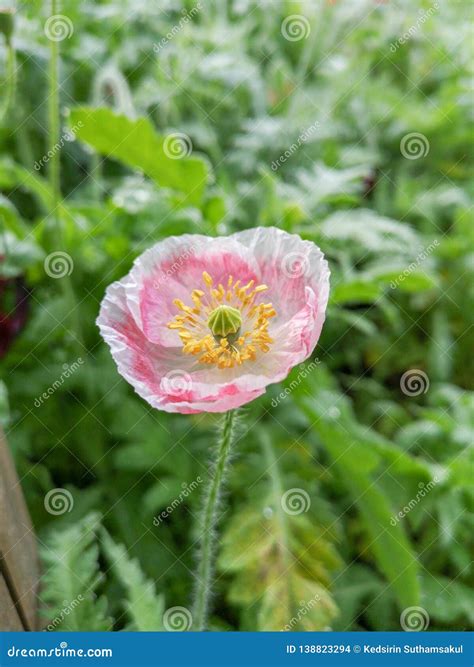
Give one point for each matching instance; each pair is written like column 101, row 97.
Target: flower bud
column 7, row 22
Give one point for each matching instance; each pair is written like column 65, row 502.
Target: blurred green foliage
column 399, row 239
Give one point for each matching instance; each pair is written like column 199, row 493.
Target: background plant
column 349, row 435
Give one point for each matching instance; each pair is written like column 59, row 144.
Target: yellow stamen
column 193, row 325
column 207, row 279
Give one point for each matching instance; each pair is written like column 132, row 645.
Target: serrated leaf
column 143, row 606
column 71, row 578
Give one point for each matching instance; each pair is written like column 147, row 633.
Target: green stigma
column 225, row 322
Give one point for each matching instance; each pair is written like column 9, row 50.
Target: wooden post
column 19, row 572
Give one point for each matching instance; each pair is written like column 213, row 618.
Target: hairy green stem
column 209, row 523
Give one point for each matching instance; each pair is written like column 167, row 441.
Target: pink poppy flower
column 204, row 324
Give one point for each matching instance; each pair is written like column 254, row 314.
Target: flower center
column 226, row 326
column 225, row 322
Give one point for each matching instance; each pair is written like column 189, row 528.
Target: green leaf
column 71, row 578
column 138, row 145
column 368, row 286
column 142, row 605
column 413, row 281
column 355, row 291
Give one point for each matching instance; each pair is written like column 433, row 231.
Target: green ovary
column 225, row 322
